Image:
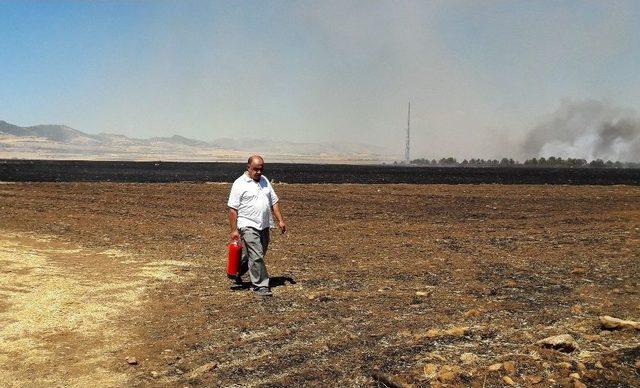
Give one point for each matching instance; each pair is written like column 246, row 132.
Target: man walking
column 251, row 202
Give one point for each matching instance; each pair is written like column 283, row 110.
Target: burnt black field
column 165, row 172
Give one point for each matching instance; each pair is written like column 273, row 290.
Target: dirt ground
column 375, row 285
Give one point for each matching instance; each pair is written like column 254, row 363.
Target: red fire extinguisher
column 233, row 261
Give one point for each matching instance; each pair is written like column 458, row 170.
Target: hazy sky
column 480, row 74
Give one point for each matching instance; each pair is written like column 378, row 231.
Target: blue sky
column 480, row 74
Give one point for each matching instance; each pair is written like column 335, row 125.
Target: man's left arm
column 275, row 209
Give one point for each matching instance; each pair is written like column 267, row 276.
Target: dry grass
column 64, row 322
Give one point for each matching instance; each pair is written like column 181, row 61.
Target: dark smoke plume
column 587, row 130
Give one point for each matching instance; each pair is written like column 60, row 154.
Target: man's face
column 255, row 169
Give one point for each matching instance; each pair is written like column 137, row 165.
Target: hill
column 63, row 142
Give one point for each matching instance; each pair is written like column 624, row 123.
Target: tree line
column 551, row 161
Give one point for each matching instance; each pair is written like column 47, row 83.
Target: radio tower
column 407, row 149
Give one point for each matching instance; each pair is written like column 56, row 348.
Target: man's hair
column 254, row 157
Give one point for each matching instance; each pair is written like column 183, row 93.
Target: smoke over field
column 588, row 130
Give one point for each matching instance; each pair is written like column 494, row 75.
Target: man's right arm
column 233, row 222
column 234, row 203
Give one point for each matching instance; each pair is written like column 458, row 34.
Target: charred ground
column 373, row 281
column 166, row 172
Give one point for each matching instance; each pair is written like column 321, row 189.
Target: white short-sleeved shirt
column 253, row 201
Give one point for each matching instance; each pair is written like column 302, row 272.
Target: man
column 251, row 203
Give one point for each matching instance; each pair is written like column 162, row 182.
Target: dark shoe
column 263, row 291
column 238, row 284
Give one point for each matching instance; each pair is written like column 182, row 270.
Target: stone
column 389, row 380
column 154, row 374
column 637, row 364
column 575, row 376
column 457, row 331
column 534, row 379
column 578, row 384
column 581, row 327
column 451, row 332
column 565, row 365
column 201, row 370
column 422, row 293
column 598, row 365
column 469, row 358
column 579, row 271
column 436, row 356
column 510, row 283
column 585, row 355
column 473, row 313
column 611, row 323
column 430, row 371
column 132, row 361
column 508, row 380
column 448, row 373
column 564, row 343
column 509, row 367
column 495, row 367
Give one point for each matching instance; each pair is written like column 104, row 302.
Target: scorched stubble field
column 124, row 284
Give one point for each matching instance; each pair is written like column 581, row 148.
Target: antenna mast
column 407, row 149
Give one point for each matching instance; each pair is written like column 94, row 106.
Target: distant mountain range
column 59, row 133
column 63, row 142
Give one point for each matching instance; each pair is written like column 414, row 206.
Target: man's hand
column 235, row 235
column 276, row 212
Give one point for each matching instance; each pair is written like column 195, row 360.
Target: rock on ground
column 564, row 343
column 611, row 323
